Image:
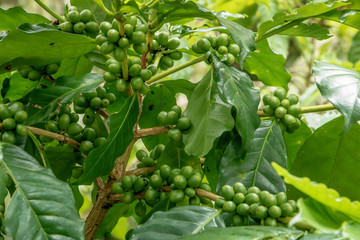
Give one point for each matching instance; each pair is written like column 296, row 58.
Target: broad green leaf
column 303, row 30
column 321, row 193
column 98, row 13
column 3, row 182
column 237, row 89
column 319, row 215
column 323, row 236
column 40, row 45
column 111, row 218
column 340, row 86
column 13, row 17
column 255, row 169
column 162, row 97
column 75, row 67
column 247, row 233
column 209, row 115
column 62, row 160
column 309, row 10
column 177, row 222
column 354, row 53
column 19, row 87
column 175, row 156
column 64, row 91
column 97, row 58
column 213, row 159
column 350, row 17
column 336, row 155
column 101, row 161
column 163, row 205
column 269, row 67
column 294, row 141
column 44, row 201
column 351, row 229
column 244, row 37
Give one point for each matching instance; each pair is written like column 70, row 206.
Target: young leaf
column 64, row 91
column 350, row 17
column 13, row 17
column 101, row 161
column 237, row 89
column 340, row 86
column 321, row 193
column 268, row 66
column 303, row 30
column 177, row 222
column 336, row 155
column 247, row 233
column 19, row 87
column 40, row 45
column 209, row 115
column 255, row 169
column 75, row 67
column 44, row 201
column 162, row 97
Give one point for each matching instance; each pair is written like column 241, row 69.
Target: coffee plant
column 106, row 127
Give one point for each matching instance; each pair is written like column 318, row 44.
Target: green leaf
column 19, row 87
column 97, row 58
column 303, row 30
column 3, row 182
column 294, row 141
column 309, row 10
column 321, row 193
column 255, row 169
column 323, row 236
column 354, row 53
column 340, row 86
column 350, row 17
column 13, row 17
column 209, row 115
column 98, row 13
column 75, row 67
column 44, row 201
column 336, row 155
column 62, row 160
column 177, row 222
column 101, row 161
column 246, row 233
column 120, row 98
column 237, row 89
column 351, row 229
column 64, row 91
column 244, row 37
column 175, row 156
column 162, row 97
column 268, row 66
column 40, row 45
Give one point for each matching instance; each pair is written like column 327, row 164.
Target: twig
column 146, row 132
column 309, row 109
column 103, row 113
column 51, row 12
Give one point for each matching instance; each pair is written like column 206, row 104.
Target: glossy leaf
column 350, row 17
column 269, row 67
column 340, row 86
column 40, row 45
column 101, row 161
column 303, row 30
column 75, row 67
column 19, row 87
column 3, row 182
column 354, row 53
column 162, row 97
column 294, row 141
column 255, row 169
column 44, row 201
column 177, row 222
column 321, row 193
column 209, row 115
column 247, row 233
column 244, row 37
column 351, row 229
column 64, row 91
column 175, row 156
column 236, row 88
column 335, row 154
column 13, row 17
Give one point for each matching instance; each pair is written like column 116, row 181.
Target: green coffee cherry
column 162, row 117
column 251, row 198
column 171, row 118
column 180, row 182
column 222, row 50
column 253, row 189
column 274, row 102
column 270, row 222
column 203, row 44
column 107, row 47
column 155, row 181
column 85, row 15
column 21, row 129
column 177, row 196
column 91, row 27
column 294, row 110
column 227, row 192
column 242, row 209
column 140, row 209
column 140, row 184
column 128, row 197
column 73, row 16
column 293, row 99
column 21, row 116
column 280, row 93
column 116, row 188
column 266, row 99
column 289, row 120
column 270, row 200
column 174, row 134
column 99, row 142
column 121, row 85
column 86, row 146
column 66, row 27
column 105, row 27
column 79, row 27
column 229, row 207
column 280, row 112
column 222, row 40
column 274, row 211
column 136, row 83
column 163, row 38
column 8, row 137
column 234, row 49
column 238, row 198
column 177, row 55
column 194, row 201
column 261, row 212
column 140, row 155
column 268, row 110
column 165, row 171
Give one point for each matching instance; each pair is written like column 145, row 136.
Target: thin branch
column 103, row 113
column 146, row 132
column 51, row 12
column 99, row 183
column 309, row 109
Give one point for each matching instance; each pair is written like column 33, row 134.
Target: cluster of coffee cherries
column 88, row 103
column 12, row 119
column 174, row 119
column 284, row 108
column 225, row 49
column 79, row 22
column 177, row 184
column 259, row 205
column 35, row 73
column 148, row 160
column 167, row 46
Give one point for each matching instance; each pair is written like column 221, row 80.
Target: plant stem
column 309, row 109
column 146, row 132
column 175, row 69
column 51, row 12
column 279, row 30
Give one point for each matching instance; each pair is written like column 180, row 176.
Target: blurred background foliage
column 299, row 53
